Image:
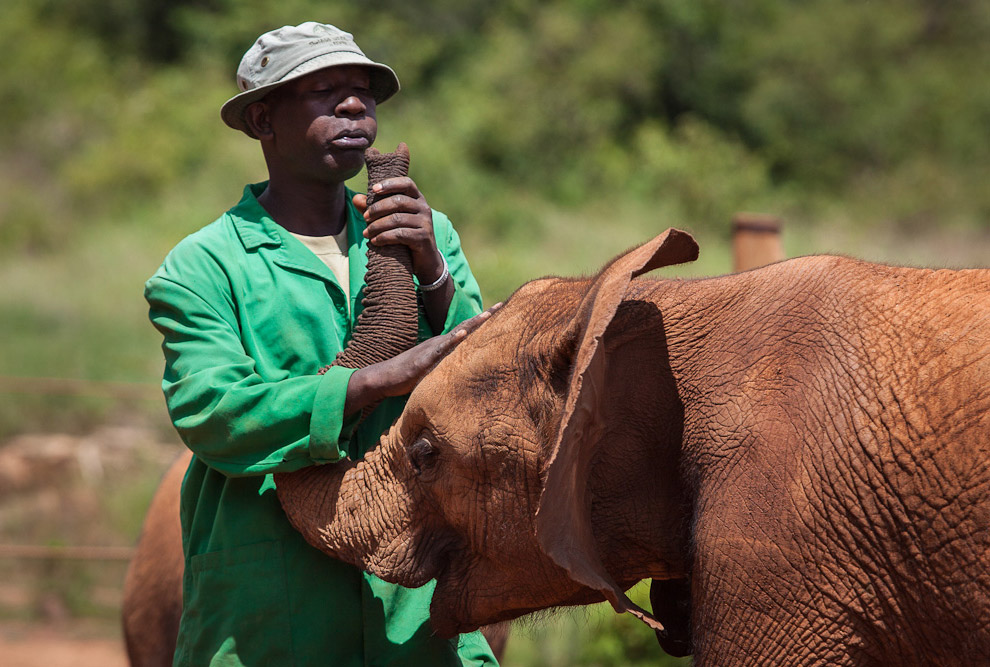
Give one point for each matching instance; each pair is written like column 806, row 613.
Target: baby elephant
column 807, row 444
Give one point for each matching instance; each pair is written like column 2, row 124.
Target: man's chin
column 342, row 165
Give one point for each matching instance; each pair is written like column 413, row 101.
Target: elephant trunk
column 310, row 498
column 388, row 325
column 339, row 509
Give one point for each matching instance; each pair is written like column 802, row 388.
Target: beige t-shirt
column 332, row 251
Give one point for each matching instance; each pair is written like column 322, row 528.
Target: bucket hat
column 290, row 52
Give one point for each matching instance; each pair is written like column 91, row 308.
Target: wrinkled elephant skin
column 808, row 442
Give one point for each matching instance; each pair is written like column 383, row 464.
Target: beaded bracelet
column 438, row 283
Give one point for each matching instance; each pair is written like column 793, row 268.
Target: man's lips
column 351, row 141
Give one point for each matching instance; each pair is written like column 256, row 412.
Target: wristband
column 438, row 283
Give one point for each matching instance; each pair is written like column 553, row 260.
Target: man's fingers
column 408, row 236
column 402, row 184
column 450, row 341
column 398, row 220
column 441, row 346
column 467, row 326
column 399, row 203
column 360, row 202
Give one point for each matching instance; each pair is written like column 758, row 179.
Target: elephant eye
column 423, row 455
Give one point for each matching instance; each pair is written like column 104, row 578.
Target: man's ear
column 257, row 117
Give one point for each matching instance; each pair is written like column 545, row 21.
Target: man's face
column 323, row 122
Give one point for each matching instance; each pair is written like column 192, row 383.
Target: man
column 250, row 307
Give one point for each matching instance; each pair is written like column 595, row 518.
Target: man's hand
column 400, row 374
column 403, row 218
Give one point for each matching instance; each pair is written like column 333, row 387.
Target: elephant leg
column 152, row 601
column 671, row 602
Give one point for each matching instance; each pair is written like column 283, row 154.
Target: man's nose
column 351, row 105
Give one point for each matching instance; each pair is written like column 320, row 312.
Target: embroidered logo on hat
column 334, row 36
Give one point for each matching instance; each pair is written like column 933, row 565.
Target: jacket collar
column 256, row 228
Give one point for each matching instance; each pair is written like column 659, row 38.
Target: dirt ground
column 62, row 645
column 72, row 491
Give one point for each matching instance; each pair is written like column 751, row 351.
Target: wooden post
column 755, row 241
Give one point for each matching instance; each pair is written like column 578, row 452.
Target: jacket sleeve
column 466, row 302
column 233, row 419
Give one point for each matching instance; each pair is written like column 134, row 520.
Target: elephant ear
column 563, row 520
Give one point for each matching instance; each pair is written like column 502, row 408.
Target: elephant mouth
column 464, row 599
column 428, row 560
column 448, row 610
column 458, row 604
column 459, row 607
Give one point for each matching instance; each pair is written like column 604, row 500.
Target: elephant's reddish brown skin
column 809, row 441
column 152, row 600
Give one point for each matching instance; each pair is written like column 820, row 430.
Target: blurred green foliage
column 709, row 106
column 593, row 636
column 555, row 134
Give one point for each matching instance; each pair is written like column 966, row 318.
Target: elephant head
column 515, row 442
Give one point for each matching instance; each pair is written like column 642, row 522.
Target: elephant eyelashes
column 423, row 456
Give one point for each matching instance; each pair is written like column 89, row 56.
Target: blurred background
column 555, row 134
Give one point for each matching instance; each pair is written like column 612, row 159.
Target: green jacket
column 249, row 315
